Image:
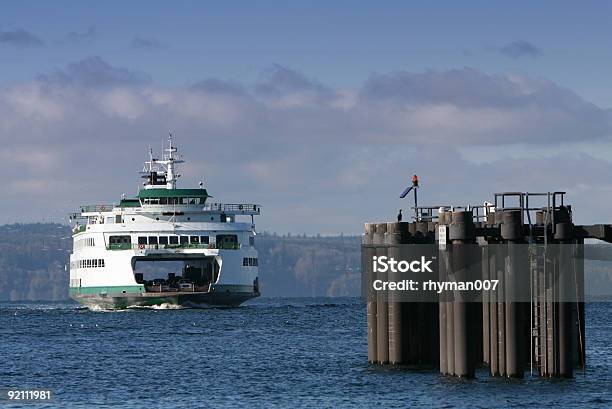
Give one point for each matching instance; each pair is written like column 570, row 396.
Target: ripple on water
column 271, row 352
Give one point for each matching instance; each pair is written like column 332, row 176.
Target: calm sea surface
column 268, row 353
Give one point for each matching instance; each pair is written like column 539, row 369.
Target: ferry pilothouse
column 168, row 245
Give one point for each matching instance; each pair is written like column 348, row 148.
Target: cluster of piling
column 533, row 322
column 399, row 333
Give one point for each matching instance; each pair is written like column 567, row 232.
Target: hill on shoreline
column 33, row 257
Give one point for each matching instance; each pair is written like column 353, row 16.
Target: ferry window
column 152, row 239
column 202, row 200
column 195, row 239
column 204, row 239
column 251, row 241
column 184, row 239
column 110, row 220
column 173, row 239
column 184, row 200
column 142, row 240
column 223, row 218
column 163, row 239
column 154, row 200
column 227, row 238
column 163, row 200
column 245, row 262
column 95, row 263
column 172, row 200
column 119, row 239
column 255, row 262
column 118, row 218
column 102, row 262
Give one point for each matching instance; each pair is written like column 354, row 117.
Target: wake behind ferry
column 165, row 246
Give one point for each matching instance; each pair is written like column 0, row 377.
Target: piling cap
column 512, row 226
column 381, row 228
column 563, row 215
column 397, row 233
column 511, row 216
column 422, row 227
column 491, row 218
column 462, row 226
column 540, row 217
column 398, row 227
column 498, row 217
column 564, row 231
column 370, row 228
column 443, row 215
column 462, row 216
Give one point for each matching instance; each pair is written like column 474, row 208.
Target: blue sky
column 339, row 43
column 296, row 97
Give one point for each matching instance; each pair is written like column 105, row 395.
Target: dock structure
column 533, row 322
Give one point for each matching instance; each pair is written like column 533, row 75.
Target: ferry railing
column 128, row 246
column 233, row 207
column 96, row 208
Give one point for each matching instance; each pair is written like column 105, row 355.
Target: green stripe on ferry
column 117, row 289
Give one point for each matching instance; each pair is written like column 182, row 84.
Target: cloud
column 147, row 43
column 86, row 37
column 289, row 88
column 300, row 147
column 217, row 86
column 95, row 72
column 468, row 106
column 520, row 48
column 20, row 38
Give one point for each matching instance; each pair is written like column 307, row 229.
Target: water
column 269, row 353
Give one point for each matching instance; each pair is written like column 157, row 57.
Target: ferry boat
column 167, row 246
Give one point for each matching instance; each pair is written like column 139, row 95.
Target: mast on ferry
column 162, row 172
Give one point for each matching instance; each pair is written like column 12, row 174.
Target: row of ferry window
column 173, row 240
column 250, row 262
column 91, row 263
column 221, row 238
column 173, row 200
column 86, row 242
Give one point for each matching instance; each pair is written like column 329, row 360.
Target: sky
column 319, row 111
